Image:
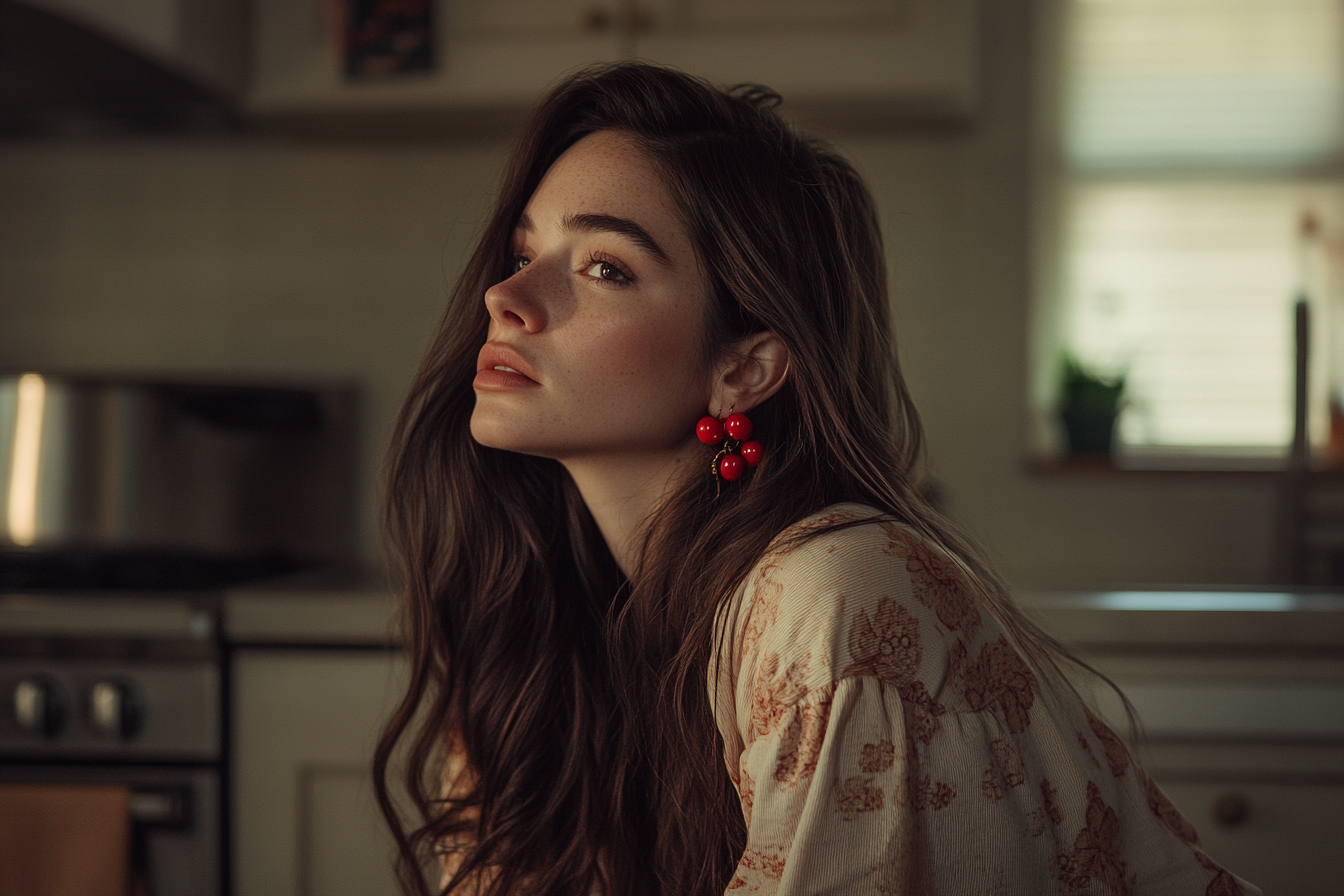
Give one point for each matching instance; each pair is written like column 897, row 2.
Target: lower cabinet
column 1282, row 837
column 1251, row 750
column 305, row 822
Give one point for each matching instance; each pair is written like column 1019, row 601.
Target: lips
column 499, row 367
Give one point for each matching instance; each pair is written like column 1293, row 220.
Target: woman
column 645, row 664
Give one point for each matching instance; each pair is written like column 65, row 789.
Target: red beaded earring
column 737, row 452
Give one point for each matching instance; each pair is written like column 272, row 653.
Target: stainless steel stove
column 124, row 692
column 126, row 507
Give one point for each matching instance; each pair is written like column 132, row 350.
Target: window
column 1193, row 186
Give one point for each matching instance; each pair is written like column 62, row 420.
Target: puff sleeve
column 886, row 736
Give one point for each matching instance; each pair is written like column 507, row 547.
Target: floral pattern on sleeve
column 1005, row 771
column 998, row 680
column 938, row 581
column 1096, row 851
column 858, row 794
column 800, row 743
column 1170, row 816
column 886, row 646
column 878, row 757
column 882, row 719
column 1117, row 754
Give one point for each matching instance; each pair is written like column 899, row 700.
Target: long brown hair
column 578, row 699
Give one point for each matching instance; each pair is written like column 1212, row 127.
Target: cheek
column 657, row 354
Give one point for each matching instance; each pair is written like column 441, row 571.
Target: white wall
column 283, row 260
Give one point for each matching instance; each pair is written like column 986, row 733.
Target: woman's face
column 594, row 341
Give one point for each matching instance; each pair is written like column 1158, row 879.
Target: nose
column 515, row 303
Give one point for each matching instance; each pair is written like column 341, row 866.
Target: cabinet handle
column 1231, row 810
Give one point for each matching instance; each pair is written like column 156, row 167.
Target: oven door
column 175, row 813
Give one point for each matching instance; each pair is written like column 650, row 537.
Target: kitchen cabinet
column 1287, row 838
column 1251, row 750
column 488, row 55
column 892, row 59
column 305, row 723
column 1241, row 707
column 874, row 59
column 1241, row 697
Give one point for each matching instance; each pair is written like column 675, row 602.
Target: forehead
column 608, row 172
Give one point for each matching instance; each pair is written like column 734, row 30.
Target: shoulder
column 839, row 590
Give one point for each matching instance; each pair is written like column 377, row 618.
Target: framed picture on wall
column 388, row 37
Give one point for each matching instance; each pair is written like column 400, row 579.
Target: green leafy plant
column 1088, row 407
column 1087, row 390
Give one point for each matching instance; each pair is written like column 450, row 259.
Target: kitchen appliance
column 121, row 483
column 74, row 68
column 126, row 507
column 124, row 692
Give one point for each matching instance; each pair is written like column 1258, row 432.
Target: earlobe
column 753, row 370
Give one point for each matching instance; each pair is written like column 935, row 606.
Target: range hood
column 90, row 67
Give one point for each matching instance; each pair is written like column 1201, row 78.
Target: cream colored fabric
column 887, row 738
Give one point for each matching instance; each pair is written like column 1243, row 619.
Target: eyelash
column 596, row 258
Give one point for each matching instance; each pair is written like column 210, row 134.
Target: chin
column 487, row 432
column 501, row 434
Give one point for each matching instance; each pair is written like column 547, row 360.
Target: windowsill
column 1173, row 465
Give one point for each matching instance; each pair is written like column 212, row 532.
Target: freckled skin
column 616, row 356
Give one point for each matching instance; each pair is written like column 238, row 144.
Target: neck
column 624, row 492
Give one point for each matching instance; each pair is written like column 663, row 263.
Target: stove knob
column 39, row 706
column 114, row 709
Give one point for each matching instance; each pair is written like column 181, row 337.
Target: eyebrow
column 607, row 224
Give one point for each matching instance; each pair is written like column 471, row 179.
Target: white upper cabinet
column 488, row 54
column 890, row 58
column 897, row 58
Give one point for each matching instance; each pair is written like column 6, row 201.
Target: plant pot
column 1088, row 432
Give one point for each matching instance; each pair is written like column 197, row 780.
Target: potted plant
column 1089, row 404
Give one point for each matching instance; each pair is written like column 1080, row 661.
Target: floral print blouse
column 886, row 737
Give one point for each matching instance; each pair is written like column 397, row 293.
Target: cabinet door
column 1251, row 750
column 304, row 818
column 875, row 58
column 879, row 57
column 1282, row 837
column 488, row 54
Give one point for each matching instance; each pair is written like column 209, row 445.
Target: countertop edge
column 369, row 617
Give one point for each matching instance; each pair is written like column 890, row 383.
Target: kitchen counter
column 1259, row 620
column 362, row 612
column 332, row 610
column 1241, row 695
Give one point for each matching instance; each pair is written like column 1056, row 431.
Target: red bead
column 751, row 453
column 738, row 426
column 731, row 466
column 709, row 431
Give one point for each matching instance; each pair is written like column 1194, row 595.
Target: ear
column 751, row 371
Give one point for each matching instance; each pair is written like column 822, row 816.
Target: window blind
column 1197, row 133
column 1204, row 82
column 1189, row 287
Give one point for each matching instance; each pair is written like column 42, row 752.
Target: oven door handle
column 161, row 807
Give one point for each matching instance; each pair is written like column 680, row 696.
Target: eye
column 605, row 270
column 520, row 262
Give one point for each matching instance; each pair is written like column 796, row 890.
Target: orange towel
column 64, row 840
